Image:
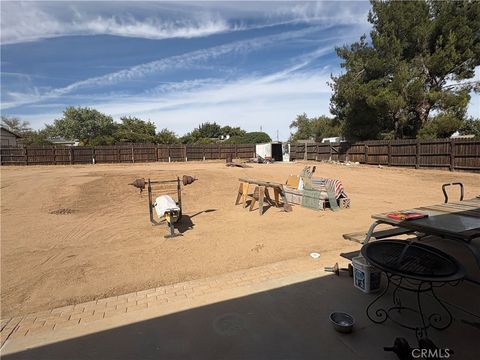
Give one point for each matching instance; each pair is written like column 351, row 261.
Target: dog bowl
column 342, row 322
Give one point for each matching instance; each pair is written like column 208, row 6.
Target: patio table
column 458, row 220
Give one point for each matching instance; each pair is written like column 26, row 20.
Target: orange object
column 406, row 215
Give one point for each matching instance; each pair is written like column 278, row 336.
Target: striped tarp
column 329, row 185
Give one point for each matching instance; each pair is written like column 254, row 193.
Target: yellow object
column 292, row 181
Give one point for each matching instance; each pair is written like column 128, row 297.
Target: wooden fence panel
column 195, row 152
column 13, row 155
column 377, row 153
column 434, row 153
column 83, row 155
column 44, row 155
column 357, row 153
column 298, row 152
column 107, row 154
column 212, row 152
column 312, row 151
column 62, row 155
column 245, row 151
column 465, row 154
column 227, row 149
column 178, row 152
column 146, row 153
column 163, row 152
column 403, row 153
column 324, row 152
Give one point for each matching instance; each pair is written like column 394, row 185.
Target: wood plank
column 359, row 236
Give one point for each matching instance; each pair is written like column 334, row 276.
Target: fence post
column 156, row 153
column 93, row 156
column 365, row 156
column 236, row 151
column 70, row 155
column 417, row 155
column 185, row 152
column 133, row 156
column 452, row 155
column 389, row 158
column 54, row 155
column 25, row 153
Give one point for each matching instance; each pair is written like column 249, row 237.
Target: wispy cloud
column 32, row 21
column 23, row 22
column 267, row 100
column 177, row 62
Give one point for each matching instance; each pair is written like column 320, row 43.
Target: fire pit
column 412, row 267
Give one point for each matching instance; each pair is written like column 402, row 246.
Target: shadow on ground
column 185, row 224
column 289, row 322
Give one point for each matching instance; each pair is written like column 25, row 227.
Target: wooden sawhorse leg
column 242, row 194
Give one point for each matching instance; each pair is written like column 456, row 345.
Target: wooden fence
column 452, row 154
column 61, row 155
column 457, row 154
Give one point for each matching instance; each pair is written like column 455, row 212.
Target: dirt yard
column 76, row 233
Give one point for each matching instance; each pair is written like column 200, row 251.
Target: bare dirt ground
column 76, row 233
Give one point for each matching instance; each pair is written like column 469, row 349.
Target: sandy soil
column 104, row 244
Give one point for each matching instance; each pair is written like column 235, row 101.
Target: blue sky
column 178, row 64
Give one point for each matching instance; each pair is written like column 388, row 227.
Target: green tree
column 134, row 130
column 421, row 59
column 35, row 138
column 166, row 136
column 209, row 130
column 314, row 128
column 89, row 126
column 304, row 128
column 22, row 128
column 470, row 127
column 232, row 131
column 256, row 137
column 15, row 125
column 441, row 126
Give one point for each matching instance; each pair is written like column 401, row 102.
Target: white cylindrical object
column 365, row 276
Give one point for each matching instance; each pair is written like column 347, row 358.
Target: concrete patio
column 278, row 311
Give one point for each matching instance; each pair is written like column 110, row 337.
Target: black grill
column 412, row 260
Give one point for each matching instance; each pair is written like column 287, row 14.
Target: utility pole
column 277, row 135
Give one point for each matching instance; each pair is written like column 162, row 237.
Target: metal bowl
column 342, row 322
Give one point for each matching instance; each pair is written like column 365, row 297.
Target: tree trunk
column 423, row 110
column 398, row 131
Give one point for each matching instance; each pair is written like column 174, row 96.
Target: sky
column 251, row 64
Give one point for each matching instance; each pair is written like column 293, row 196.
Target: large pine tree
column 419, row 64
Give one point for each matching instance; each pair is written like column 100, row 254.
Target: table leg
column 254, row 198
column 244, row 193
column 370, row 231
column 261, row 196
column 276, row 193
column 240, row 194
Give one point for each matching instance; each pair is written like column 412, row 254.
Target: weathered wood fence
column 454, row 154
column 62, row 155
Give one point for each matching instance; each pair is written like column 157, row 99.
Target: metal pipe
column 179, row 193
column 150, row 204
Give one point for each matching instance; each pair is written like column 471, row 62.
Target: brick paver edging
column 88, row 312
